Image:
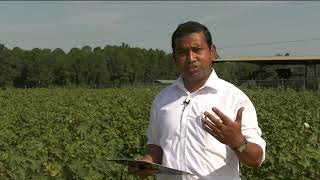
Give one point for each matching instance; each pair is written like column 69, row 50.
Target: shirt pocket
column 207, row 142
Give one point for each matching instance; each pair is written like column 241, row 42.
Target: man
column 201, row 124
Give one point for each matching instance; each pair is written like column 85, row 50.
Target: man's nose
column 191, row 56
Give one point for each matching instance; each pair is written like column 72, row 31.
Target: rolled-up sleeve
column 250, row 128
column 153, row 130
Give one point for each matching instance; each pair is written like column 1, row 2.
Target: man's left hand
column 224, row 129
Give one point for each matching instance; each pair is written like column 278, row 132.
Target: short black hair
column 188, row 28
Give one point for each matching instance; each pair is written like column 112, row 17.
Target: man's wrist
column 242, row 147
column 147, row 158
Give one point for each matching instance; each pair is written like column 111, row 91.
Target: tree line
column 84, row 66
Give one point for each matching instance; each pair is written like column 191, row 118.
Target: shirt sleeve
column 250, row 128
column 153, row 130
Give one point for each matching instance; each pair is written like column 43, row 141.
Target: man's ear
column 213, row 51
column 173, row 57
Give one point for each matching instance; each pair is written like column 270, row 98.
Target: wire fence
column 301, row 83
column 138, row 85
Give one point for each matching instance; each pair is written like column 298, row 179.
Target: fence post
column 304, row 84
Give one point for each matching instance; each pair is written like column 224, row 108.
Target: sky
column 239, row 28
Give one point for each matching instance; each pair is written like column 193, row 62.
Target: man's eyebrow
column 180, row 48
column 192, row 46
column 197, row 46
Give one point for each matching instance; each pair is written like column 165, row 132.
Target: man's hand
column 141, row 170
column 153, row 154
column 224, row 129
column 229, row 132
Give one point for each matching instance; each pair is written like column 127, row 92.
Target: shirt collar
column 212, row 82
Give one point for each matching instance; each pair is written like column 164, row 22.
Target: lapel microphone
column 187, row 100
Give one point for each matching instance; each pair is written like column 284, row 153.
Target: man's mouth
column 192, row 68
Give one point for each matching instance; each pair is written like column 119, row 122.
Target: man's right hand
column 153, row 154
column 141, row 171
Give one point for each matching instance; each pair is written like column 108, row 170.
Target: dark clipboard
column 152, row 166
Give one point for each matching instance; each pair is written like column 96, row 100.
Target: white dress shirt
column 175, row 125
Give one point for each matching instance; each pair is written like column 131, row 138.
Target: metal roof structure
column 164, row 81
column 306, row 61
column 273, row 60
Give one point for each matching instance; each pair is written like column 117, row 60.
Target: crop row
column 70, row 133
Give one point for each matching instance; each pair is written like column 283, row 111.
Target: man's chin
column 193, row 77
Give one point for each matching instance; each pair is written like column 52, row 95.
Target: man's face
column 193, row 57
